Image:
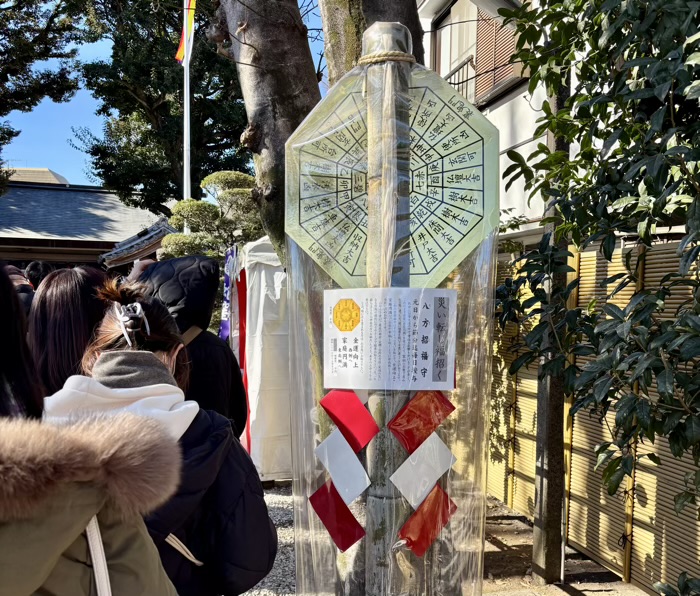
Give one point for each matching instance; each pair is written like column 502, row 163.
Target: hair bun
column 125, row 294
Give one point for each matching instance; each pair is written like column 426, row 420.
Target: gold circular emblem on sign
column 346, row 315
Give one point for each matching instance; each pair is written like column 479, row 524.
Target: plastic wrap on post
column 392, row 183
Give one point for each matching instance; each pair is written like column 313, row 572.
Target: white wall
column 515, row 116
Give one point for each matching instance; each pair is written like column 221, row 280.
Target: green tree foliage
column 213, row 227
column 139, row 154
column 633, row 114
column 32, row 32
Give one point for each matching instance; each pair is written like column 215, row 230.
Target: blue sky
column 47, row 130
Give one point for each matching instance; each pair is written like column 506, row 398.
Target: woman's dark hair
column 20, row 392
column 145, row 320
column 64, row 316
column 36, row 272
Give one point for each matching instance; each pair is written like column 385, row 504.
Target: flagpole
column 186, row 190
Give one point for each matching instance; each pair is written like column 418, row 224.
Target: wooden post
column 630, row 481
column 388, row 265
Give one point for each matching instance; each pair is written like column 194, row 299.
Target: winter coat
column 56, row 478
column 214, row 536
column 188, row 287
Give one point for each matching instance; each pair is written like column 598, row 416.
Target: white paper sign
column 347, row 473
column 420, row 472
column 389, row 339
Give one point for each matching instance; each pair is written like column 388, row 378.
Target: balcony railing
column 462, row 76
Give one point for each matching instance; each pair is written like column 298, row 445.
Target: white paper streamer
column 420, row 472
column 347, row 473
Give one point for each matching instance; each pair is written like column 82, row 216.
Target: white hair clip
column 128, row 315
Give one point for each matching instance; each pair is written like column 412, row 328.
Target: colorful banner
column 187, row 30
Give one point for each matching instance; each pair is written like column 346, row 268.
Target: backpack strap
column 99, row 560
column 189, row 335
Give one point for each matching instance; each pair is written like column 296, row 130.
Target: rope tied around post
column 386, row 56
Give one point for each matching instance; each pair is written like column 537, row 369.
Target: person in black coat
column 24, row 289
column 188, row 287
column 214, row 536
column 223, row 493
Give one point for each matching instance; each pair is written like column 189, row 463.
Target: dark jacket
column 25, row 293
column 24, row 289
column 188, row 287
column 218, row 513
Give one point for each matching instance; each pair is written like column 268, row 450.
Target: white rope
column 178, row 545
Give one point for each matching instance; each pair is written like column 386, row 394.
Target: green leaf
column 691, row 39
column 657, row 119
column 603, row 458
column 601, row 387
column 665, row 589
column 664, row 381
column 692, row 429
column 643, row 231
column 643, row 364
column 692, row 91
column 662, row 90
column 614, row 480
column 608, row 5
column 614, row 311
column 688, row 259
column 693, row 59
column 517, row 158
column 610, row 141
column 662, row 339
column 520, row 361
column 683, row 583
column 624, row 329
column 652, row 457
column 608, row 246
column 671, row 422
column 682, row 500
column 644, row 413
column 624, row 202
column 625, row 407
column 690, row 349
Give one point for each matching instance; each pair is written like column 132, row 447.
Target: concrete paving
column 507, row 563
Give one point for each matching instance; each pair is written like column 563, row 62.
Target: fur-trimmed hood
column 132, row 458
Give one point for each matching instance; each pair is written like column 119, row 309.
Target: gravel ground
column 507, row 558
column 281, row 580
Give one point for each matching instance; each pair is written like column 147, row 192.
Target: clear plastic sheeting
column 392, row 203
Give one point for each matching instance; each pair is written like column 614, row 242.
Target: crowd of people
column 120, row 466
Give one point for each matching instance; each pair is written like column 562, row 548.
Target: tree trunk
column 279, row 85
column 548, row 538
column 344, row 22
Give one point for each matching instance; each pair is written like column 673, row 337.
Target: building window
column 455, row 46
column 494, row 47
column 472, row 52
